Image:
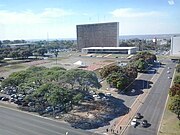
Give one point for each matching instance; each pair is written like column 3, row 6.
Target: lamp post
column 56, row 54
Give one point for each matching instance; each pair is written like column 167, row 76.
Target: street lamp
column 56, row 54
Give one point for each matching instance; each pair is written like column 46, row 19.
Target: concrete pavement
column 13, row 122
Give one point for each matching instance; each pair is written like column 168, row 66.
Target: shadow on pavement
column 137, row 88
column 112, row 109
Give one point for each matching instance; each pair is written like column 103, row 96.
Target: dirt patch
column 95, row 114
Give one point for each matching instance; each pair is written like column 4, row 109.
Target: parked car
column 5, row 99
column 105, row 99
column 101, row 95
column 169, row 77
column 108, row 94
column 144, row 123
column 138, row 116
column 1, row 97
column 134, row 122
column 89, row 98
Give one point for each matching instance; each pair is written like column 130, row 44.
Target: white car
column 133, row 90
column 134, row 122
column 108, row 94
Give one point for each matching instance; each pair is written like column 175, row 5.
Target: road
column 153, row 107
column 14, row 122
column 142, row 83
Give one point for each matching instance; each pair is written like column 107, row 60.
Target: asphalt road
column 14, row 122
column 153, row 107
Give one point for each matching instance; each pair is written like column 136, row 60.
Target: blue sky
column 35, row 19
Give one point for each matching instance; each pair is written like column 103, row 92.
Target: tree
column 104, row 72
column 81, row 78
column 56, row 54
column 177, row 79
column 174, row 90
column 145, row 56
column 15, row 79
column 118, row 80
column 174, row 105
column 131, row 72
column 141, row 65
column 14, row 54
column 119, row 77
column 41, row 51
column 0, row 44
column 178, row 68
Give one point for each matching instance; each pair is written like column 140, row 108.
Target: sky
column 57, row 19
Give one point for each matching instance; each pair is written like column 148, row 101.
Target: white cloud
column 29, row 17
column 8, row 17
column 129, row 12
column 55, row 12
column 171, row 2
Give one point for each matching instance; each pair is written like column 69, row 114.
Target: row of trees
column 38, row 49
column 52, row 86
column 144, row 44
column 121, row 77
column 174, row 93
column 21, row 52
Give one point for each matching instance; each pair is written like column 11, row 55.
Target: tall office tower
column 98, row 35
column 175, row 46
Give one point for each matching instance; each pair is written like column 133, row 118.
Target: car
column 105, row 99
column 138, row 116
column 133, row 90
column 169, row 77
column 92, row 92
column 168, row 72
column 108, row 94
column 144, row 123
column 101, row 95
column 1, row 97
column 5, row 99
column 88, row 98
column 134, row 122
column 49, row 109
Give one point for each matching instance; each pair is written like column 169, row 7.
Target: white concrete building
column 175, row 46
column 113, row 50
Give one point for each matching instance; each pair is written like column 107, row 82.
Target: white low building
column 113, row 50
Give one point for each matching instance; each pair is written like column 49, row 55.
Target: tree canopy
column 119, row 77
column 52, row 86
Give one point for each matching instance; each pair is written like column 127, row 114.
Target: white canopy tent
column 80, row 64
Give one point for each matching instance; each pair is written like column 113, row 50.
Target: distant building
column 115, row 50
column 175, row 46
column 98, row 35
column 19, row 45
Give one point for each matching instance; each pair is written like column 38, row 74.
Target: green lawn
column 170, row 124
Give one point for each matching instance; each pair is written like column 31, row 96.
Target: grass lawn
column 170, row 124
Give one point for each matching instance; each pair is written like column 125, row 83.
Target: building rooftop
column 110, row 48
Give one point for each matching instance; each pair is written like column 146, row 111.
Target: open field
column 64, row 59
